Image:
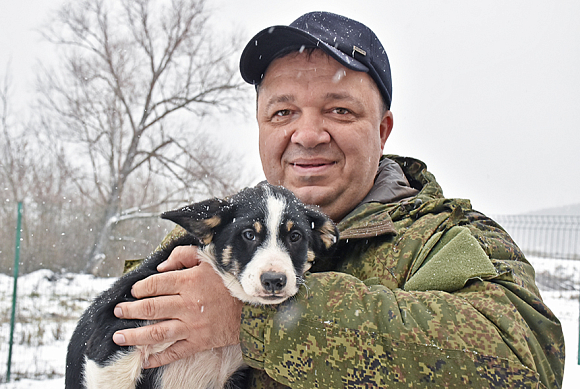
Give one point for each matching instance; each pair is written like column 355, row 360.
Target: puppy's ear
column 200, row 219
column 325, row 232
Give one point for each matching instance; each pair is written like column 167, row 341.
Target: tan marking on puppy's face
column 258, row 226
column 310, row 256
column 289, row 225
column 227, row 256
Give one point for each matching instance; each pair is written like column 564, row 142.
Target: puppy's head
column 263, row 240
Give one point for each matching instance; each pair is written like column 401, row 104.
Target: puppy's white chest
column 207, row 369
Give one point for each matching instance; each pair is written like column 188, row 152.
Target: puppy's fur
column 260, row 241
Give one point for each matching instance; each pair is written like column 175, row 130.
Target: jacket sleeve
column 484, row 328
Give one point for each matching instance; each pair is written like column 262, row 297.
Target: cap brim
column 269, row 43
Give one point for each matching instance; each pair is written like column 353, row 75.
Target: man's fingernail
column 118, row 312
column 119, row 339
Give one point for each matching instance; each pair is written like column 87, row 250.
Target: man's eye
column 249, row 234
column 341, row 111
column 282, row 112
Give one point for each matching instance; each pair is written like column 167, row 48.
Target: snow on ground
column 565, row 306
column 49, row 305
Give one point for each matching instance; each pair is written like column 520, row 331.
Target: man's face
column 322, row 130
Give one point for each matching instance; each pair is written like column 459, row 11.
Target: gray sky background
column 487, row 93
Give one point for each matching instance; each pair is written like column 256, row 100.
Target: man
column 424, row 291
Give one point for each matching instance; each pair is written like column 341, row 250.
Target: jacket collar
column 390, row 185
column 401, row 183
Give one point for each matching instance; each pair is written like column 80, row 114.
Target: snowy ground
column 48, row 307
column 49, row 304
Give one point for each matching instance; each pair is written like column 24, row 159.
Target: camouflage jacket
column 422, row 293
column 425, row 292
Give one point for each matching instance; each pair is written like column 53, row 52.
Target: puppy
column 260, row 241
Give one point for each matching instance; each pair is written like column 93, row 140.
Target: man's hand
column 197, row 310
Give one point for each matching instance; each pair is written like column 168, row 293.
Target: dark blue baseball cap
column 349, row 42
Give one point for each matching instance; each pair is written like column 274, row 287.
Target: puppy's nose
column 273, row 282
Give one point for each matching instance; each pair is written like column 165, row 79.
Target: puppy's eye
column 249, row 234
column 295, row 236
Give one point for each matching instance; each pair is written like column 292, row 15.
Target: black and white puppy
column 260, row 241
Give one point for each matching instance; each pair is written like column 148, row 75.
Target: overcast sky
column 487, row 93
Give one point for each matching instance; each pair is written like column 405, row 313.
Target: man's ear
column 385, row 128
column 200, row 219
column 325, row 232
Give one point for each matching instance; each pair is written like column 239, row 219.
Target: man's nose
column 310, row 131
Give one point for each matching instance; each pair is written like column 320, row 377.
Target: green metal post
column 16, row 267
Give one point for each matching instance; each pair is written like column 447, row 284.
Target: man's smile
column 311, row 166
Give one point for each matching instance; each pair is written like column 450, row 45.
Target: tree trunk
column 96, row 253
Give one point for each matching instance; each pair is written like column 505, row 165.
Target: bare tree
column 9, row 186
column 135, row 75
column 11, row 171
column 33, row 170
